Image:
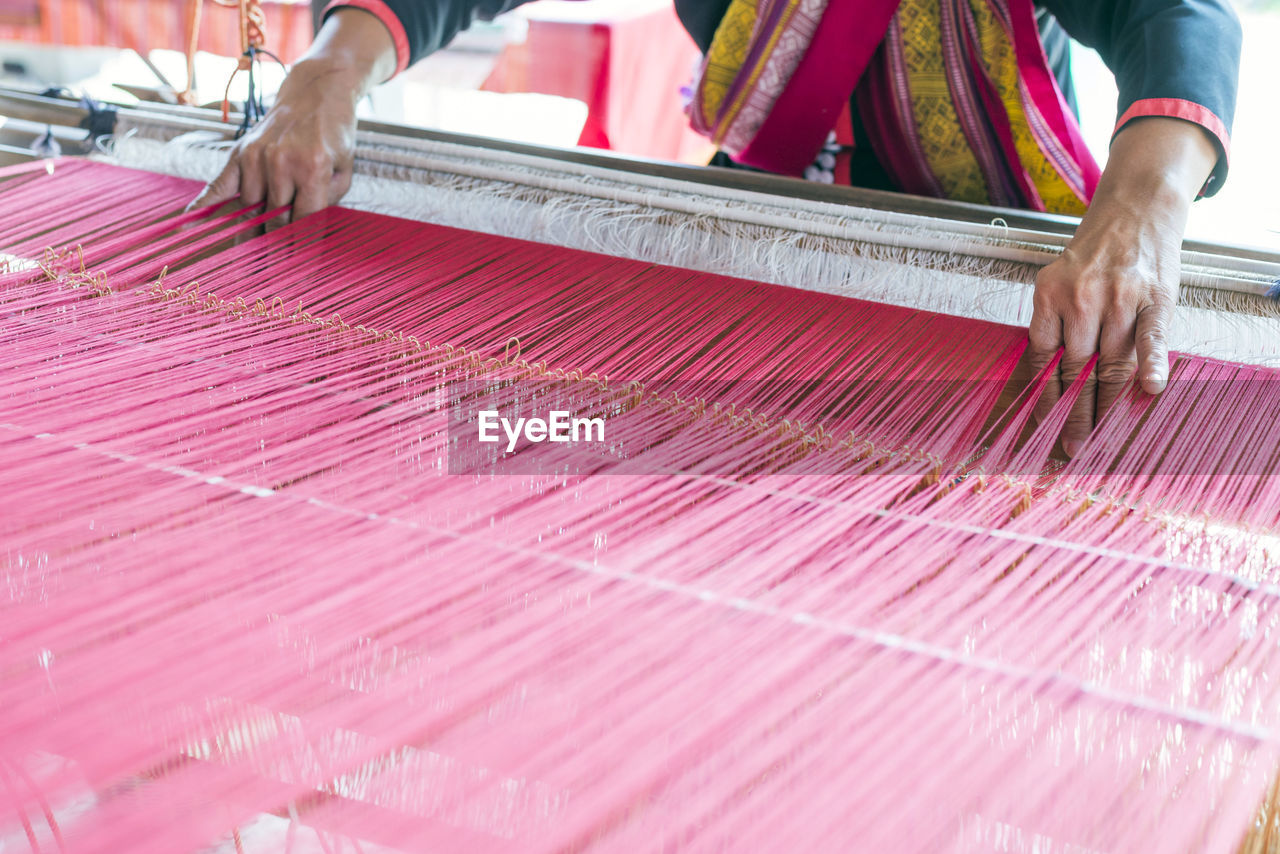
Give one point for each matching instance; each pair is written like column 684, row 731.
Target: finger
column 339, row 184
column 253, row 178
column 1045, row 334
column 280, row 193
column 1081, row 344
column 344, row 166
column 225, row 186
column 312, row 195
column 1116, row 360
column 1152, row 329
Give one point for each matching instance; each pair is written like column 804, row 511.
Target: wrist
column 1151, row 196
column 352, row 52
column 331, row 76
column 1159, row 161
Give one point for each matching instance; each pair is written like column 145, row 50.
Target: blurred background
column 605, row 73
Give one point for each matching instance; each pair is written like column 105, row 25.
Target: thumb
column 217, row 191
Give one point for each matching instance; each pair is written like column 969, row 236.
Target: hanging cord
column 253, row 35
column 253, row 25
column 254, row 107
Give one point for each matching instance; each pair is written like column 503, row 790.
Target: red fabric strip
column 1046, row 98
column 1178, row 108
column 822, row 84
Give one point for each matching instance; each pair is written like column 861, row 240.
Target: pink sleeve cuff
column 1177, row 108
column 383, row 13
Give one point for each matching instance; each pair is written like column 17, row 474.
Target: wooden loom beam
column 32, row 106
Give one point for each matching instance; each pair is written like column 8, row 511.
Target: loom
column 824, row 586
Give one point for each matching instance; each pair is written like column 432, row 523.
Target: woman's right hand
column 302, row 152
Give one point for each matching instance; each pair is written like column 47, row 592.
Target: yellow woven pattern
column 938, row 129
column 727, row 53
column 1001, row 64
column 939, row 133
column 735, row 58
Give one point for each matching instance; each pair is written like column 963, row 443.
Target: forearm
column 421, row 27
column 1155, row 170
column 352, row 53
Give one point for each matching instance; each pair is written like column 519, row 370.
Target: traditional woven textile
column 820, row 585
column 956, row 96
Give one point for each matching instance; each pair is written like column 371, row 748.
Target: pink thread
column 815, row 608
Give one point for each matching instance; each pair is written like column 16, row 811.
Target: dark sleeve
column 1178, row 58
column 420, row 27
column 701, row 18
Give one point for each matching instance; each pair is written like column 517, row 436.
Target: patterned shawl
column 956, row 95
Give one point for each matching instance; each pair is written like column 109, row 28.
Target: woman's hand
column 1113, row 290
column 302, row 152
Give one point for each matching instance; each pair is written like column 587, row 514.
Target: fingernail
column 1072, row 446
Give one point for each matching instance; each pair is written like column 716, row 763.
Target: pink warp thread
column 836, row 603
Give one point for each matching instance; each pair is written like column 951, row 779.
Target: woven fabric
column 961, row 103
